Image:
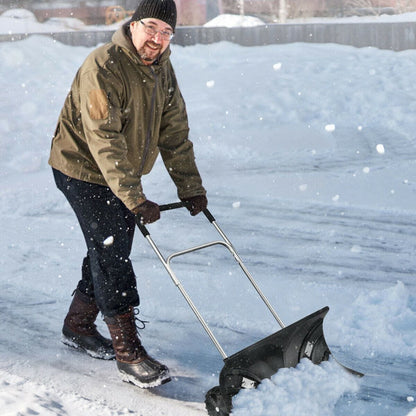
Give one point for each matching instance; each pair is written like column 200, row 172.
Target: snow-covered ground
column 308, row 153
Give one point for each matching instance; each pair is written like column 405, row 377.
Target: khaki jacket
column 116, row 119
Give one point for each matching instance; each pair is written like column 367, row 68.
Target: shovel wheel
column 217, row 403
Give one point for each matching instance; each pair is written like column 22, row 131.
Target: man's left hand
column 195, row 204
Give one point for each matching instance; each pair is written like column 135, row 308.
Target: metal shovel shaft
column 188, row 299
column 225, row 242
column 248, row 274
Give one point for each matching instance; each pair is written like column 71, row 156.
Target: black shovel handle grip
column 168, row 207
column 172, row 205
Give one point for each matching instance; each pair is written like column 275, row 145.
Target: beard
column 150, row 52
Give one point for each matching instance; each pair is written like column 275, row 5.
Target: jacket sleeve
column 175, row 147
column 101, row 112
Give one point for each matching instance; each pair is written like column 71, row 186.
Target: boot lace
column 140, row 323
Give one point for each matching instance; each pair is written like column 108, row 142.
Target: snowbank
column 232, row 20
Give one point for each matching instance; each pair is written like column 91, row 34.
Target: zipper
column 149, row 130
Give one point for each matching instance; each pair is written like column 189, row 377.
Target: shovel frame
column 225, row 242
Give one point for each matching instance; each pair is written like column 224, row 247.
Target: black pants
column 108, row 228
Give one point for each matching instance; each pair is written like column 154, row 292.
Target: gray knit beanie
column 164, row 10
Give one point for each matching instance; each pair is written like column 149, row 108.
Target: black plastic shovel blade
column 285, row 348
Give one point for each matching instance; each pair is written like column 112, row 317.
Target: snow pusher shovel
column 248, row 367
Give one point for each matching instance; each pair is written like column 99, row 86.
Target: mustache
column 154, row 45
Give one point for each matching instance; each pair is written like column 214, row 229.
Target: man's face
column 150, row 38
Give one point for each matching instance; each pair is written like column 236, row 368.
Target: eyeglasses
column 151, row 30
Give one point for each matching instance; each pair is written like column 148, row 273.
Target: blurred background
column 198, row 12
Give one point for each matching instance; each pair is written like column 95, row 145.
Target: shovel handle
column 172, row 205
column 169, row 207
column 175, row 205
column 224, row 242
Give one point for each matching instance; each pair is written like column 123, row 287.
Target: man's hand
column 195, row 204
column 148, row 212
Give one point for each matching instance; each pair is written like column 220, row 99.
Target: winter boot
column 79, row 330
column 133, row 362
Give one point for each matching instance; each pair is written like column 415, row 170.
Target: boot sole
column 163, row 379
column 93, row 354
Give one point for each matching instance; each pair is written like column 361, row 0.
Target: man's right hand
column 148, row 212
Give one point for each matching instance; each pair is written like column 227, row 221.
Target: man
column 123, row 109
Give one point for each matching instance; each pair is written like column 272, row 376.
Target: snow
column 15, row 21
column 308, row 154
column 286, row 394
column 400, row 17
column 232, row 20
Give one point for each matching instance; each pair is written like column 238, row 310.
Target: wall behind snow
column 395, row 36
